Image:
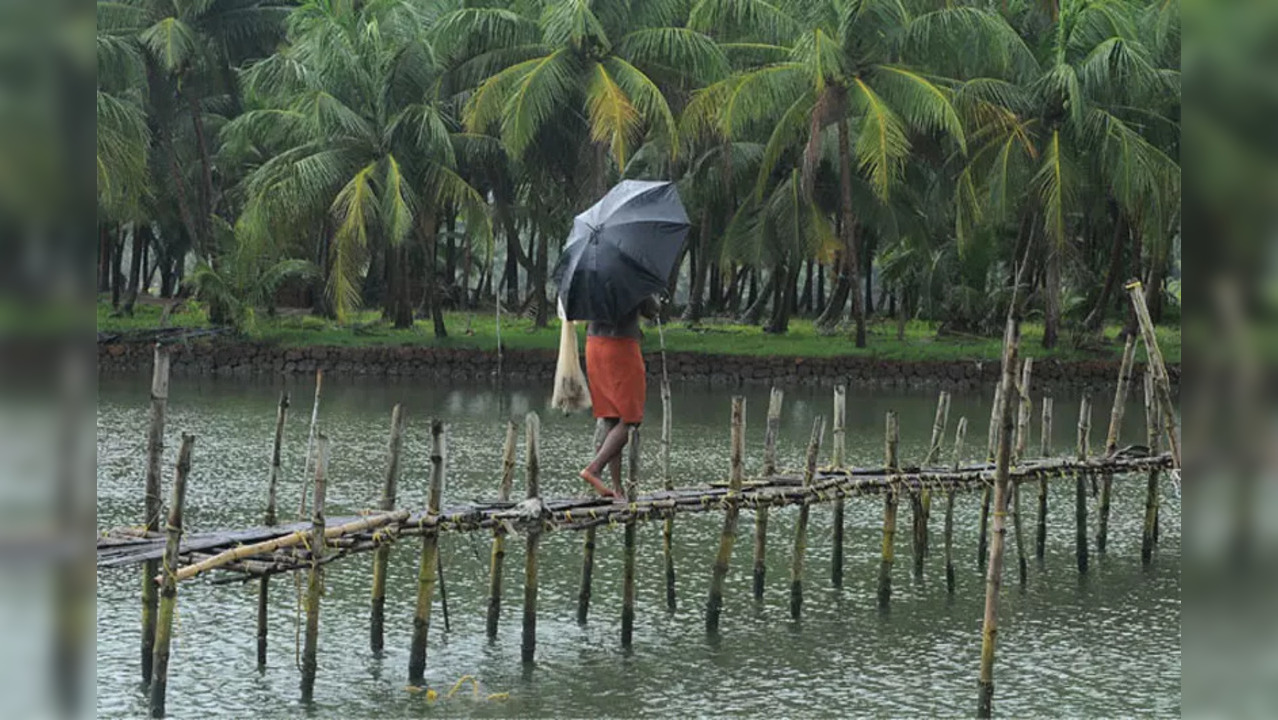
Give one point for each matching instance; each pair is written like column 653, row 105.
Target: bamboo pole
column 714, row 603
column 1162, row 383
column 982, row 544
column 499, row 533
column 264, row 584
column 1040, row 535
column 890, row 499
column 315, row 578
column 1149, row 535
column 588, row 545
column 628, row 548
column 1025, row 411
column 532, row 444
column 921, row 502
column 1080, row 484
column 801, row 526
column 960, row 434
column 168, row 583
column 994, row 571
column 153, row 506
column 667, row 530
column 310, row 441
column 775, row 399
column 837, row 459
column 428, row 568
column 1111, row 440
column 381, row 555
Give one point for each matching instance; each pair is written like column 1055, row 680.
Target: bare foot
column 598, row 485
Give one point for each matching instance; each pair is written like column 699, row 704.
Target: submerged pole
column 1154, row 358
column 1040, row 538
column 168, row 582
column 714, row 602
column 264, row 584
column 628, row 548
column 837, row 459
column 890, row 500
column 532, row 444
column 769, row 469
column 982, row 544
column 381, row 555
column 153, row 506
column 588, row 545
column 994, row 572
column 960, row 434
column 801, row 526
column 1111, row 440
column 315, row 578
column 428, row 567
column 499, row 533
column 921, row 503
column 1025, row 409
column 1149, row 534
column 1080, row 484
column 667, row 529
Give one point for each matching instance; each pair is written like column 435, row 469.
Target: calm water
column 1107, row 645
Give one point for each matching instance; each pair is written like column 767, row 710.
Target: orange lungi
column 618, row 383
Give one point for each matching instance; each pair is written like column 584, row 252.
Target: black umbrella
column 621, row 251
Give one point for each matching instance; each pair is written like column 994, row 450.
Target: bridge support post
column 775, row 399
column 1149, row 535
column 890, row 500
column 532, row 444
column 982, row 543
column 588, row 546
column 264, row 584
column 381, row 555
column 1111, row 441
column 428, row 567
column 168, row 582
column 315, row 578
column 1040, row 537
column 837, row 459
column 1024, row 410
column 153, row 508
column 628, row 547
column 1080, row 484
column 960, row 434
column 921, row 503
column 499, row 533
column 714, row 603
column 1162, row 383
column 801, row 526
column 667, row 530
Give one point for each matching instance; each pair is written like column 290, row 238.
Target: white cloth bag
column 571, row 393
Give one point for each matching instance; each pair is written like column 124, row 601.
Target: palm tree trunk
column 1129, row 326
column 838, row 296
column 401, row 291
column 1095, row 319
column 805, row 297
column 870, row 246
column 104, row 258
column 428, row 231
column 848, row 228
column 784, row 303
column 141, row 238
column 700, row 271
column 206, row 179
column 755, row 309
column 1154, row 288
column 714, row 302
column 1052, row 298
column 117, row 267
column 539, row 282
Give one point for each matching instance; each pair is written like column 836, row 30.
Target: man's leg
column 609, row 452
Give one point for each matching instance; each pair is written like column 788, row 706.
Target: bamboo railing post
column 1162, row 383
column 890, row 500
column 776, row 397
column 628, row 545
column 588, row 545
column 532, row 444
column 801, row 526
column 428, row 566
column 714, row 602
column 263, row 588
column 315, row 577
column 960, row 434
column 153, row 506
column 982, row 544
column 667, row 529
column 1025, row 409
column 168, row 583
column 1040, row 538
column 381, row 555
column 499, row 533
column 994, row 572
column 921, row 503
column 310, row 442
column 1080, row 483
column 1149, row 535
column 1111, row 441
column 837, row 459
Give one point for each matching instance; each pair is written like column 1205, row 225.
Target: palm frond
column 173, row 43
column 881, row 146
column 613, row 119
column 546, row 87
column 353, row 209
column 646, row 98
column 690, row 53
column 925, row 105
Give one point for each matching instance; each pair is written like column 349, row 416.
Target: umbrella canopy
column 621, row 251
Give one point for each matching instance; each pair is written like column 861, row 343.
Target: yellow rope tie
column 568, row 516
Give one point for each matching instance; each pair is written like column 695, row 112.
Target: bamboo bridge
column 170, row 555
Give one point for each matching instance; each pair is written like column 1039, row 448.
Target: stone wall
column 244, row 359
